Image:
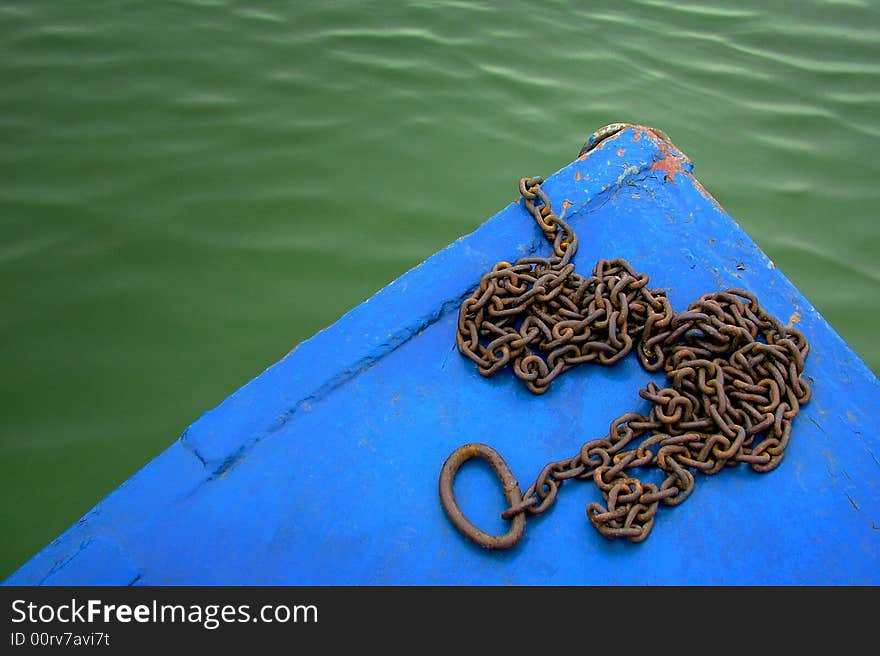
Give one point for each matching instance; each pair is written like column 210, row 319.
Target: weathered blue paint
column 323, row 469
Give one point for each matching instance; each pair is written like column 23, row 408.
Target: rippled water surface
column 188, row 189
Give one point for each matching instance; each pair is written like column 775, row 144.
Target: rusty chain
column 734, row 374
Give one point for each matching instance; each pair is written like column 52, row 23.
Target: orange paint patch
column 670, row 165
column 671, row 162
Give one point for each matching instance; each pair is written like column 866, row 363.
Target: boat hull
column 323, row 469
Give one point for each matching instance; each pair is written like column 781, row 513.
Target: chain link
column 735, row 376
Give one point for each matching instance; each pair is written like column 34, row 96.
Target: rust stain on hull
column 670, row 165
column 672, row 161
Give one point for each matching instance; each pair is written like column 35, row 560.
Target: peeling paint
column 672, row 161
column 670, row 165
column 628, row 171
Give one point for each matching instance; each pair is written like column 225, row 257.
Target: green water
column 188, row 189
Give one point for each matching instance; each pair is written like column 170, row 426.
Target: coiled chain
column 735, row 377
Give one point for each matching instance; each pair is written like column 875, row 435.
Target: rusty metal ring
column 511, row 492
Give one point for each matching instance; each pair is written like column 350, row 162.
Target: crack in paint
column 853, row 503
column 396, row 340
column 61, row 563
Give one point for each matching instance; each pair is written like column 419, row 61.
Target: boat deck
column 323, row 469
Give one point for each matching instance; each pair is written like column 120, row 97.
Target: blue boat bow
column 323, row 469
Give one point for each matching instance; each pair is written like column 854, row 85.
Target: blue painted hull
column 323, row 469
